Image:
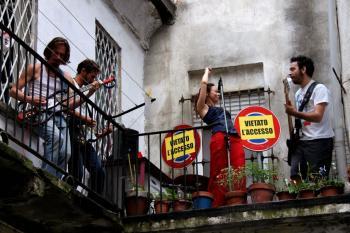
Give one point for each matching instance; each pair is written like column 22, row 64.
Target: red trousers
column 218, row 161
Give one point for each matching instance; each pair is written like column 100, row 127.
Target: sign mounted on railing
column 180, row 148
column 258, row 127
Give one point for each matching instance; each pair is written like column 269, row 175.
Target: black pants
column 312, row 154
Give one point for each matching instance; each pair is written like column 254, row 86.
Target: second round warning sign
column 258, row 127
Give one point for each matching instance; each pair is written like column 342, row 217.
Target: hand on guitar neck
column 289, row 108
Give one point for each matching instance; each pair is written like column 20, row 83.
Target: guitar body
column 56, row 102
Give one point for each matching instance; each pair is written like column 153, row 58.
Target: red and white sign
column 180, row 148
column 258, row 127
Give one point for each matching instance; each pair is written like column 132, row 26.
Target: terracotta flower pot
column 329, row 190
column 236, row 197
column 161, row 206
column 181, row 205
column 306, row 194
column 261, row 192
column 285, row 195
column 137, row 205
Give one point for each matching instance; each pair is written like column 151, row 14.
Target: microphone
column 220, row 84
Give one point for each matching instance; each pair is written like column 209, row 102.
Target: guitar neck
column 286, row 95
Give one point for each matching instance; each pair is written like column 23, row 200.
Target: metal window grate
column 19, row 17
column 108, row 56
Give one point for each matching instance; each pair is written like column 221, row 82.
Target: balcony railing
column 30, row 127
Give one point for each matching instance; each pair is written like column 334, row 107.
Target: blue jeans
column 84, row 154
column 56, row 143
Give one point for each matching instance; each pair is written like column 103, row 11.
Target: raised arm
column 201, row 106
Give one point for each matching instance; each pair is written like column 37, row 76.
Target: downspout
column 335, row 62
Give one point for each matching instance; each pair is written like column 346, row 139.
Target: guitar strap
column 306, row 99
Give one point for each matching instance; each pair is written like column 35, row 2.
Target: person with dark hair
column 313, row 149
column 34, row 87
column 83, row 151
column 205, row 102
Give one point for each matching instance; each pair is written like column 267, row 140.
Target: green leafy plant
column 307, row 185
column 311, row 182
column 165, row 195
column 289, row 186
column 331, row 180
column 232, row 178
column 260, row 174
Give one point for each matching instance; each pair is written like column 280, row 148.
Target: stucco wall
column 343, row 8
column 233, row 33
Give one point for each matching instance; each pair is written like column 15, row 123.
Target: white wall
column 86, row 12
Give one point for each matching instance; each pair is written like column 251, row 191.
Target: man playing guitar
column 83, row 152
column 313, row 110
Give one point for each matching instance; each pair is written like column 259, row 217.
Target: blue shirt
column 216, row 115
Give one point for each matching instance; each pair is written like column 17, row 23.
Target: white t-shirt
column 313, row 130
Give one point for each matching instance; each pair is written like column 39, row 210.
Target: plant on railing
column 137, row 199
column 329, row 185
column 232, row 178
column 262, row 189
column 307, row 187
column 162, row 200
column 260, row 174
column 287, row 190
column 233, row 181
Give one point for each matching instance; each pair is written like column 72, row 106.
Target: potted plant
column 288, row 190
column 329, row 185
column 137, row 200
column 182, row 201
column 307, row 187
column 162, row 201
column 262, row 189
column 232, row 180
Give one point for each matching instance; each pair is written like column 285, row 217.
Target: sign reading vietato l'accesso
column 180, row 148
column 258, row 127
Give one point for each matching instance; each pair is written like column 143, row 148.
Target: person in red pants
column 206, row 100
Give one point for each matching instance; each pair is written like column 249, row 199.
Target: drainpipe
column 335, row 62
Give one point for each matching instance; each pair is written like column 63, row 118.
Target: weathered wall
column 343, row 8
column 233, row 33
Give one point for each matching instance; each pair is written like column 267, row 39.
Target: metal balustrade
column 22, row 122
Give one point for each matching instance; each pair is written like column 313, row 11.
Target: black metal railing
column 51, row 135
column 155, row 178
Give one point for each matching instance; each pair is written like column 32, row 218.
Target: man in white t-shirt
column 314, row 149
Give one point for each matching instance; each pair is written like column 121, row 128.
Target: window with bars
column 19, row 16
column 108, row 57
